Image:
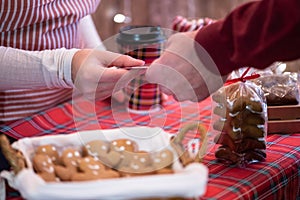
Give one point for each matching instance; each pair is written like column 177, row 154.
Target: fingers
column 115, row 59
column 171, row 81
column 93, row 78
column 112, row 74
column 127, row 61
column 111, row 80
column 100, row 91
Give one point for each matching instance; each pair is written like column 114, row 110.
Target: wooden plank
column 284, row 112
column 284, row 126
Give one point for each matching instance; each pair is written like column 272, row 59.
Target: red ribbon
column 243, row 78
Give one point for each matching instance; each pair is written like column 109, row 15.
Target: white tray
column 186, row 182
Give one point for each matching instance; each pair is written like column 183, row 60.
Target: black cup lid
column 140, row 35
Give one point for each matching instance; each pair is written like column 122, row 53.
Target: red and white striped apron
column 38, row 25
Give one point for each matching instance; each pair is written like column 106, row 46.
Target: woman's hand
column 92, row 74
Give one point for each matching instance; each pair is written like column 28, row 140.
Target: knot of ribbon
column 243, row 78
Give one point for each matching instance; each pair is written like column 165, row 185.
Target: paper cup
column 145, row 43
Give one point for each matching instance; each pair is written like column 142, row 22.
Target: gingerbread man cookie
column 49, row 150
column 90, row 168
column 44, row 167
column 122, row 145
column 68, row 165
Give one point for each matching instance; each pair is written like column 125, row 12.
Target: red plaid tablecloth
column 276, row 178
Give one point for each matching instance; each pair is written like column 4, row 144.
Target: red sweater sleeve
column 255, row 34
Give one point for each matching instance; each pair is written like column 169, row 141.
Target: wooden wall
column 157, row 12
column 161, row 12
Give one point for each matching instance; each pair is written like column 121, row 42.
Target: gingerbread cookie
column 49, row 150
column 44, row 167
column 90, row 168
column 136, row 163
column 69, row 164
column 103, row 151
column 97, row 148
column 122, row 145
column 14, row 157
column 163, row 159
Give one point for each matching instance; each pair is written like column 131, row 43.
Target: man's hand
column 183, row 72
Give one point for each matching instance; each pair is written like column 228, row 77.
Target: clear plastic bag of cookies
column 280, row 86
column 240, row 119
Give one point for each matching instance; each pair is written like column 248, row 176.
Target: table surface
column 276, row 178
